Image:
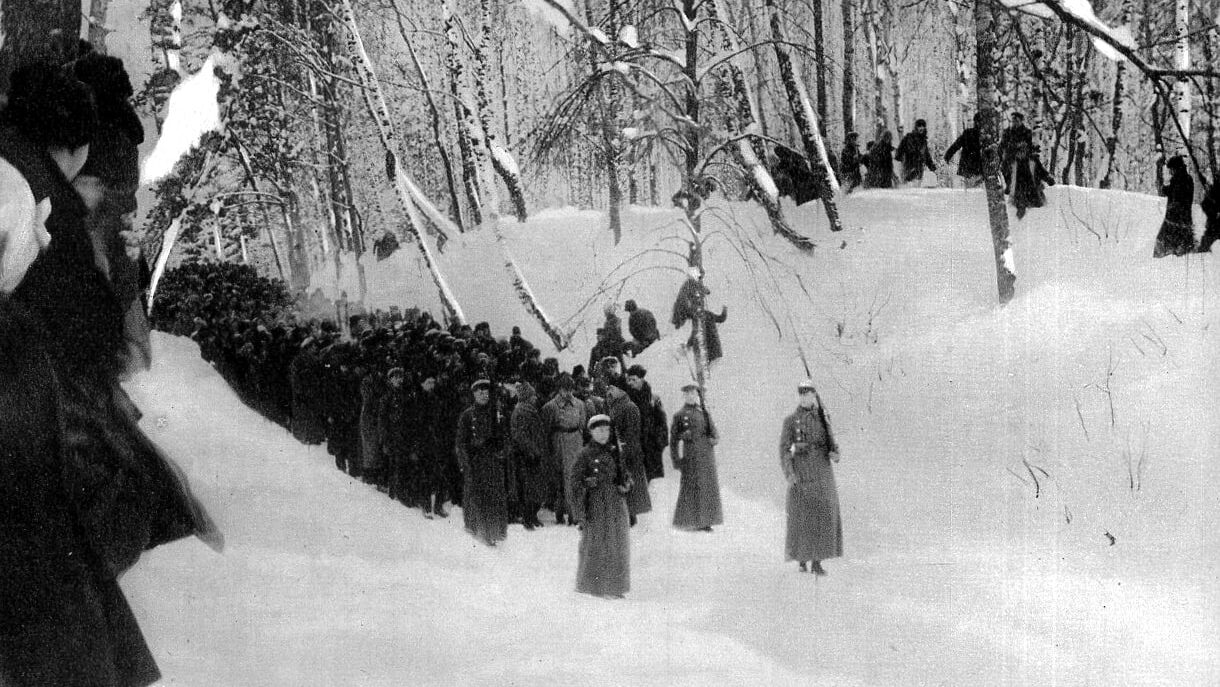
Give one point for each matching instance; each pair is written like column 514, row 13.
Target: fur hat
column 630, row 306
column 637, row 371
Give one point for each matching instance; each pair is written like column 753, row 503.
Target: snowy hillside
column 1028, row 494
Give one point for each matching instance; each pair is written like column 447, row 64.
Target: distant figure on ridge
column 970, row 167
column 1028, row 179
column 686, row 307
column 1177, row 235
column 642, row 325
column 914, row 154
column 881, row 161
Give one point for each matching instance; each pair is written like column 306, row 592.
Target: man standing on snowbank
column 806, row 449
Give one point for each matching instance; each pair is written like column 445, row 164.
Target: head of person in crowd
column 1018, row 119
column 428, row 383
column 807, row 394
column 599, row 428
column 565, row 385
column 853, row 138
column 630, row 306
column 635, row 377
column 978, row 119
column 690, row 394
column 610, row 308
column 601, row 335
column 921, row 126
column 482, row 330
column 609, row 367
column 55, row 111
column 526, row 392
column 886, row 138
column 395, row 377
column 1176, row 164
column 481, row 390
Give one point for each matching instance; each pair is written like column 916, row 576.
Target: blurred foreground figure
column 82, row 491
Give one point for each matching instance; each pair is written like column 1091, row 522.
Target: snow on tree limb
column 193, row 112
column 380, row 113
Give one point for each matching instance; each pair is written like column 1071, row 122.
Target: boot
column 818, row 570
column 804, row 568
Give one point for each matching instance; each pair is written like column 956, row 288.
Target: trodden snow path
column 955, row 573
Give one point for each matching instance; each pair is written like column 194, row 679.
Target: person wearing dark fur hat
column 482, row 435
column 642, row 325
column 1177, row 236
column 913, row 153
column 69, row 526
column 599, row 482
column 692, row 448
column 654, row 423
column 807, row 449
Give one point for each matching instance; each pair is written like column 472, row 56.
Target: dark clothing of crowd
column 1176, row 236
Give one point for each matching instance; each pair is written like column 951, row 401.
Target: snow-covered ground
column 1028, row 493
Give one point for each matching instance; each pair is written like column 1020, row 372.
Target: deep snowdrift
column 1028, row 493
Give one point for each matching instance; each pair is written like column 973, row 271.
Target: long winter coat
column 528, row 451
column 971, row 163
column 1211, row 208
column 1176, row 236
column 914, row 154
column 880, row 161
column 604, row 567
column 308, row 420
column 564, row 420
column 654, row 429
column 372, row 389
column 625, row 420
column 815, row 531
column 1029, row 178
column 850, row 163
column 686, row 307
column 63, row 618
column 692, row 447
column 480, row 445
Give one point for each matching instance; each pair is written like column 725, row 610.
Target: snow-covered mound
column 1028, row 492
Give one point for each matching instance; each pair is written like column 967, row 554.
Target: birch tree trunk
column 1181, row 54
column 97, row 24
column 806, row 120
column 889, row 51
column 502, row 160
column 403, row 185
column 469, row 142
column 1116, row 112
column 849, row 70
column 989, row 140
column 961, row 64
column 608, row 119
column 819, row 52
column 1212, row 107
column 872, row 16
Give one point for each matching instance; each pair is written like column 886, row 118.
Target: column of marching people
column 437, row 416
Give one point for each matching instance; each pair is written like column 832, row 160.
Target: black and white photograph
column 868, row 343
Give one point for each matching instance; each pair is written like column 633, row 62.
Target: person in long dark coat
column 308, row 420
column 395, row 435
column 82, row 490
column 599, row 483
column 970, row 167
column 625, row 421
column 881, row 161
column 914, row 154
column 806, row 450
column 686, row 308
column 526, row 457
column 480, row 444
column 850, row 163
column 372, row 458
column 1211, row 208
column 429, row 479
column 642, row 325
column 654, row 423
column 1013, row 136
column 692, row 448
column 1177, row 236
column 1029, row 178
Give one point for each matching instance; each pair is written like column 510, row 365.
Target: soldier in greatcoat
column 372, row 459
column 563, row 418
column 693, row 438
column 480, row 444
column 526, row 458
column 806, row 450
column 394, row 429
column 599, row 483
column 625, row 422
column 430, row 485
column 654, row 423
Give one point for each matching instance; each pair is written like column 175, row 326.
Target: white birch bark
column 871, row 18
column 375, row 100
column 1181, row 54
column 502, row 161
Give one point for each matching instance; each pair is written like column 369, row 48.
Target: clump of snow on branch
column 631, row 133
column 505, row 159
column 629, row 37
column 766, row 183
column 192, row 112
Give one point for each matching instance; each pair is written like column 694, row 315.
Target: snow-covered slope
column 1028, row 493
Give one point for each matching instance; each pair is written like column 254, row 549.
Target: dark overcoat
column 1176, row 236
column 971, row 163
column 625, row 420
column 692, row 447
column 528, row 450
column 815, row 531
column 480, row 445
column 604, row 564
